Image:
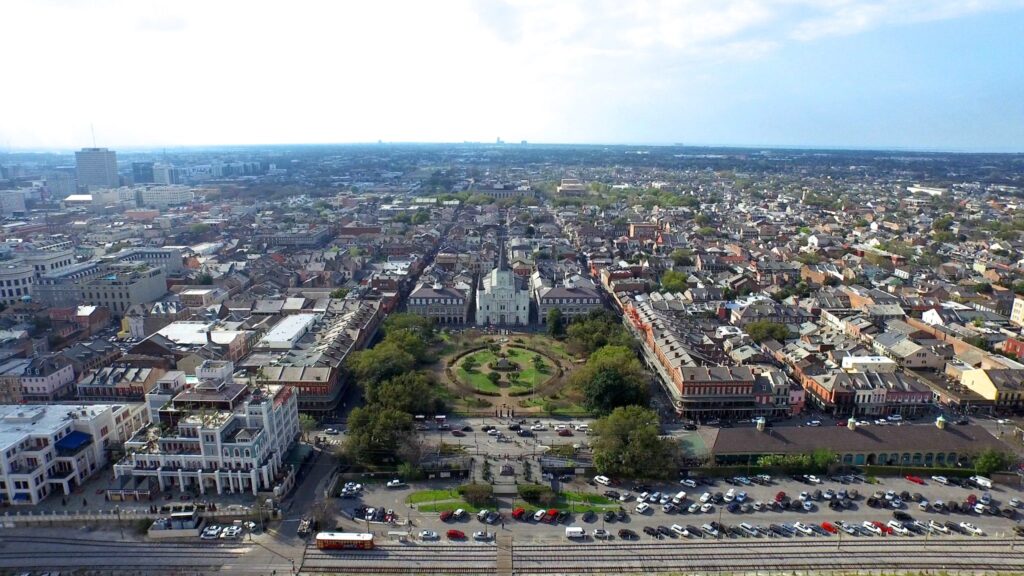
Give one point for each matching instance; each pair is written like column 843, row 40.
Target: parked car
column 642, row 508
column 803, row 529
column 396, row 483
column 455, row 534
column 971, row 529
column 428, row 535
column 603, row 480
column 627, row 534
column 483, row 536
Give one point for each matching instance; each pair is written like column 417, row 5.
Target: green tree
column 375, row 434
column 942, row 224
column 494, row 377
column 412, row 392
column 762, row 330
column 204, row 279
column 307, row 423
column 674, row 281
column 628, row 443
column 379, row 363
column 596, row 329
column 199, row 229
column 420, row 217
column 477, row 494
column 990, row 460
column 554, row 322
column 682, row 257
column 339, row 293
column 408, row 321
column 701, row 220
column 612, row 377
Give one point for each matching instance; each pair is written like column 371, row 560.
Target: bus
column 344, row 541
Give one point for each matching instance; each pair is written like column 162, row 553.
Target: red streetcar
column 344, row 541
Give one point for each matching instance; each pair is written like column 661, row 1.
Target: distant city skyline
column 937, row 75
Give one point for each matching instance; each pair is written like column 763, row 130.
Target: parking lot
column 725, row 514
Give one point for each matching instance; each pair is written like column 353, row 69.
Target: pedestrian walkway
column 503, row 566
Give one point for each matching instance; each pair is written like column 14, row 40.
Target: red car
column 550, row 516
column 780, row 496
column 456, row 535
column 458, row 433
column 828, row 527
column 565, row 432
column 446, row 515
column 915, row 479
column 518, row 513
column 972, row 500
column 886, row 529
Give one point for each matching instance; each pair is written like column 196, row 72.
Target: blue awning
column 73, row 442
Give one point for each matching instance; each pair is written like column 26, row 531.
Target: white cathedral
column 502, row 298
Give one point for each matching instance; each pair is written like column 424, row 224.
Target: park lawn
column 519, row 390
column 482, row 357
column 477, row 380
column 432, row 495
column 596, row 499
column 566, row 502
column 451, row 505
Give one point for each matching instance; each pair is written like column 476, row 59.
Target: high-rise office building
column 97, row 167
column 142, row 172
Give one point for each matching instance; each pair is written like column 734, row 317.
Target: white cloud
column 199, row 72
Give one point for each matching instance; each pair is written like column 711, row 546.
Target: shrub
column 476, row 494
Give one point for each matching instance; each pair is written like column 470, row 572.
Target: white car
column 971, row 529
column 396, row 483
column 808, row 506
column 709, row 530
column 493, row 432
column 730, row 495
column 940, row 479
column 688, row 483
column 898, row 528
column 538, row 427
column 210, row 532
column 231, row 532
column 804, row 529
column 601, row 533
column 705, row 497
column 625, row 497
column 642, row 508
column 603, row 480
column 938, row 527
column 539, row 515
column 561, row 427
column 1015, row 502
column 428, row 535
column 813, row 479
column 694, row 508
column 680, row 530
column 707, row 507
column 874, row 529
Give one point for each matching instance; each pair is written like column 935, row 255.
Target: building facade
column 96, row 167
column 56, row 448
column 445, row 304
column 219, row 436
column 501, row 299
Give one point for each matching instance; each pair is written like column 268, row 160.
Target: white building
column 288, row 331
column 501, row 300
column 55, row 448
column 221, row 436
column 164, row 196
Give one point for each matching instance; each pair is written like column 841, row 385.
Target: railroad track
column 710, row 556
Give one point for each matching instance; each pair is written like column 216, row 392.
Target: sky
column 907, row 74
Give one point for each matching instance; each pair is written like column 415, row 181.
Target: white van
column 575, row 532
column 982, row 481
column 679, row 498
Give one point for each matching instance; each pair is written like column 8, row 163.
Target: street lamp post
column 117, row 510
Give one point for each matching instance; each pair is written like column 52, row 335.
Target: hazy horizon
column 905, row 75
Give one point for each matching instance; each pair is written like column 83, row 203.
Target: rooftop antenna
column 93, row 130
